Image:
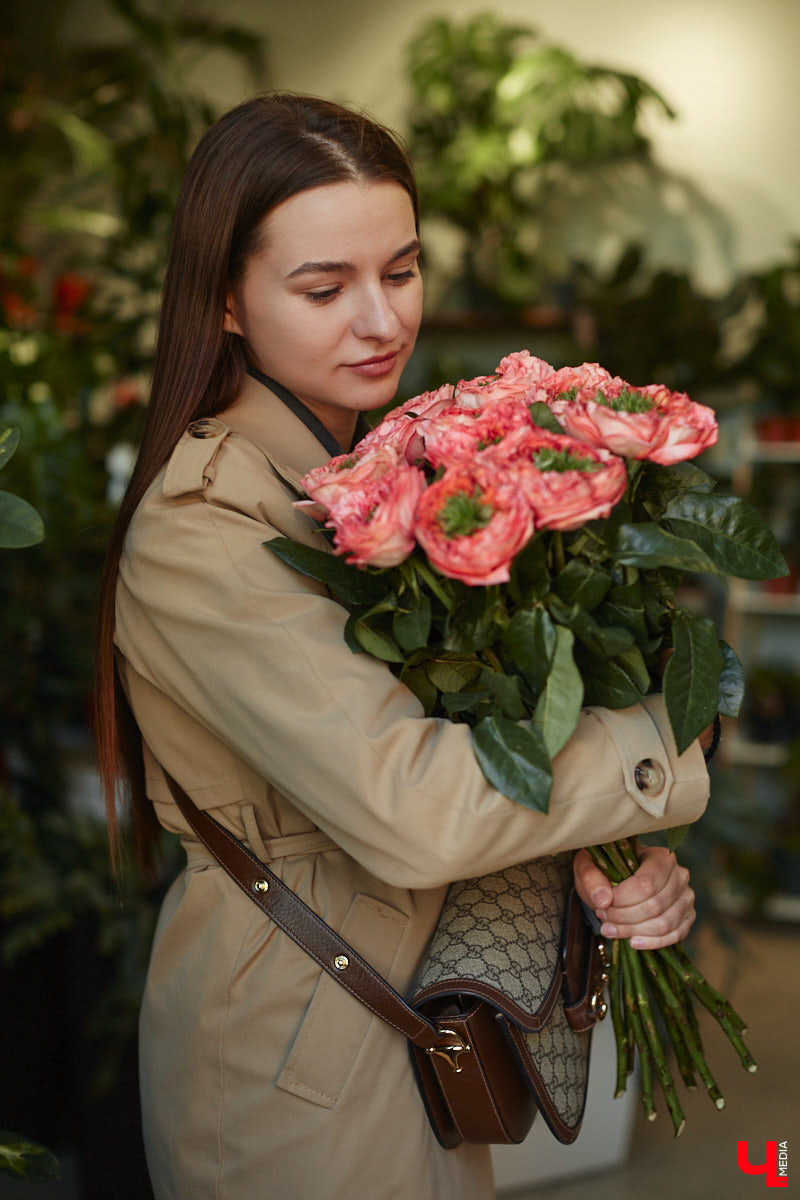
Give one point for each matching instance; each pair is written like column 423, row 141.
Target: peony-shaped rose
column 376, row 527
column 403, row 427
column 516, row 375
column 461, row 435
column 336, row 486
column 650, row 422
column 472, row 522
column 566, row 482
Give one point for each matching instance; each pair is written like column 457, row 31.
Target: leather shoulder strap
column 303, row 926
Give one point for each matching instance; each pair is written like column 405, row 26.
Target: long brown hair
column 256, row 156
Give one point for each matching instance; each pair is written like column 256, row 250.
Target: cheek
column 409, row 308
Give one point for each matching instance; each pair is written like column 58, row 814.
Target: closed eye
column 400, row 277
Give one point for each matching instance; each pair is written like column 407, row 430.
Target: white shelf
column 759, row 600
column 767, row 452
column 753, row 754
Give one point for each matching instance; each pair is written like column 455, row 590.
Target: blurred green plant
column 23, row 1159
column 537, row 158
column 94, row 144
column 95, row 133
column 20, row 524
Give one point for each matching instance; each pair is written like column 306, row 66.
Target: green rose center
column 629, row 400
column 549, row 459
column 462, row 515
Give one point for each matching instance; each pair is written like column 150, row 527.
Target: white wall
column 729, row 67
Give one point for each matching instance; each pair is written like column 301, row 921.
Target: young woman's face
column 331, row 303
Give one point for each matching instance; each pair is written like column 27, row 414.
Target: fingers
column 653, row 908
column 590, row 883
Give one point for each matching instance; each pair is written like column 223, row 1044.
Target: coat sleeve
column 255, row 653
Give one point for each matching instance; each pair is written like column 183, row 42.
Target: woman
column 291, row 304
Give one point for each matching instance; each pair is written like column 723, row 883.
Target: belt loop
column 253, row 833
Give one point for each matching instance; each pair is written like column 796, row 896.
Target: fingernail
column 609, row 930
column 601, row 897
column 637, row 943
column 601, row 914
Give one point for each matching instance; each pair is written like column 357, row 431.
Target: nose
column 374, row 317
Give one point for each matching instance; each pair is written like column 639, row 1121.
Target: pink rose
column 459, row 435
column 687, row 428
column 377, row 527
column 522, row 367
column 516, row 375
column 338, row 482
column 403, row 427
column 471, row 523
column 650, row 422
column 567, row 482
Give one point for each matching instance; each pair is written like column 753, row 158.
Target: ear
column 230, row 322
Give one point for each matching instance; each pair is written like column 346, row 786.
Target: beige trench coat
column 261, row 1078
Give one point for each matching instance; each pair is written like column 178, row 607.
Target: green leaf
column 504, row 690
column 23, row 1159
column 607, row 683
column 543, row 416
column 9, row 440
column 349, row 584
column 476, row 704
column 603, row 640
column 675, row 836
column 580, row 583
column 648, row 545
column 20, row 524
column 514, row 761
column 474, row 624
column 412, row 627
column 451, row 673
column 730, row 532
column 416, row 680
column 632, row 662
column 624, row 607
column 530, row 640
column 530, row 580
column 368, row 629
column 691, row 678
column 376, row 641
column 731, row 683
column 559, row 705
column 660, row 484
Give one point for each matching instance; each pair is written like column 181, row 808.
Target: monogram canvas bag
column 500, row 1024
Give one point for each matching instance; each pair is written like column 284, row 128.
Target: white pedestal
column 604, row 1139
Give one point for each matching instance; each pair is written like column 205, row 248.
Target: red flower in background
column 70, row 293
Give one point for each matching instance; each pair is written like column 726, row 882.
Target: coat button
column 206, row 428
column 649, row 777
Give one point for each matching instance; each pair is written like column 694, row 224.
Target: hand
column 654, row 907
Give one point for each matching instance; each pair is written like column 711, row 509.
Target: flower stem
column 653, row 1041
column 635, row 1025
column 617, row 1018
column 433, row 583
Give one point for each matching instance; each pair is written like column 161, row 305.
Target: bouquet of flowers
column 512, row 546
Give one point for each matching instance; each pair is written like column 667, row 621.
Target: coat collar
column 262, row 417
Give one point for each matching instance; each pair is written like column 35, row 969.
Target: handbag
column 500, row 1023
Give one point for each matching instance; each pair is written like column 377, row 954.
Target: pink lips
column 374, row 368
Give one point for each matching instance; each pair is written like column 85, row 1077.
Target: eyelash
column 397, row 280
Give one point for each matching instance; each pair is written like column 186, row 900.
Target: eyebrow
column 330, row 267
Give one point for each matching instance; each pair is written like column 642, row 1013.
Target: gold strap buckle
column 451, row 1050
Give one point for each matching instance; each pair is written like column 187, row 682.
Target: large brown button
column 206, row 428
column 649, row 777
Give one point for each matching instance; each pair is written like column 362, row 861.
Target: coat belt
column 269, row 849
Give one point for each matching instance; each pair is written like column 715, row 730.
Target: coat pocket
column 335, row 1023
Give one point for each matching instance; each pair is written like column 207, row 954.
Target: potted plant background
column 94, row 144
